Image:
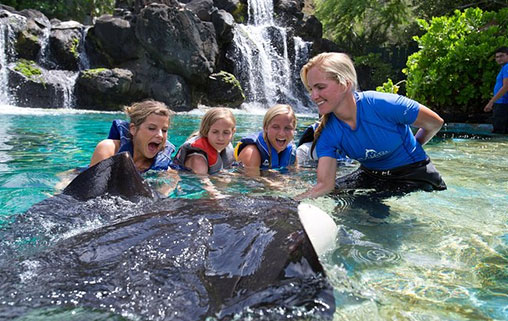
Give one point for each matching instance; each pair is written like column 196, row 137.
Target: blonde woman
column 144, row 137
column 209, row 150
column 371, row 127
column 272, row 147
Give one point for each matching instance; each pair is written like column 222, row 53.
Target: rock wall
column 166, row 50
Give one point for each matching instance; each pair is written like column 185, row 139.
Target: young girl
column 273, row 146
column 209, row 150
column 144, row 137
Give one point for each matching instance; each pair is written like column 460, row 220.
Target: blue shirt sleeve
column 328, row 141
column 504, row 71
column 394, row 108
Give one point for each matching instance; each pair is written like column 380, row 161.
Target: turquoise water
column 437, row 256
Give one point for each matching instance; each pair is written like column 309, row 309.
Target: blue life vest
column 120, row 131
column 200, row 145
column 278, row 160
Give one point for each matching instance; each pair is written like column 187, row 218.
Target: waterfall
column 262, row 63
column 84, row 62
column 65, row 81
column 4, row 61
column 58, row 85
column 43, row 58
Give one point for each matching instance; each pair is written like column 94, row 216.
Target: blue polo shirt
column 382, row 138
column 503, row 74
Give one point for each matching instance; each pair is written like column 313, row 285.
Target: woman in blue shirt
column 371, row 127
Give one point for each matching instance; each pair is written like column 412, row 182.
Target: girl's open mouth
column 153, row 147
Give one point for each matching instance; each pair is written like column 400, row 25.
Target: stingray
column 108, row 248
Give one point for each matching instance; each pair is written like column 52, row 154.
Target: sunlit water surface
column 437, row 256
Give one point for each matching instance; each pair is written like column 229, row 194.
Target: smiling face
column 150, row 137
column 221, row 133
column 280, row 131
column 328, row 94
column 501, row 58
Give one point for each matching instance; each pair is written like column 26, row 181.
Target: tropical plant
column 363, row 24
column 386, row 27
column 453, row 72
column 80, row 10
column 389, row 87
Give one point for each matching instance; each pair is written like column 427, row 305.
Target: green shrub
column 79, row 10
column 453, row 72
column 389, row 87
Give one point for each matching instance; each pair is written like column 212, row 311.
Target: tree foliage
column 435, row 8
column 362, row 24
column 452, row 70
column 79, row 10
column 386, row 27
column 358, row 26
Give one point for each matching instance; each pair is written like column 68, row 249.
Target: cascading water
column 43, row 58
column 58, row 84
column 4, row 61
column 84, row 62
column 3, row 74
column 262, row 62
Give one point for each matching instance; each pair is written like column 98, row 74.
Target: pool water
column 436, row 256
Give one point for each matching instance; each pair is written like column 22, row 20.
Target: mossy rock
column 240, row 13
column 28, row 68
column 224, row 90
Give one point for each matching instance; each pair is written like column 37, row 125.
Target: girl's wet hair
column 274, row 111
column 337, row 66
column 138, row 112
column 213, row 115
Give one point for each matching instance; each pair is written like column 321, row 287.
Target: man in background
column 500, row 100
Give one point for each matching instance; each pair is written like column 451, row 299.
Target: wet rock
column 65, row 40
column 35, row 86
column 223, row 23
column 114, row 40
column 201, row 8
column 224, row 90
column 104, row 89
column 179, row 41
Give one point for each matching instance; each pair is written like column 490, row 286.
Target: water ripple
column 360, row 256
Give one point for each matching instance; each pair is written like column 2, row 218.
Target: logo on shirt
column 266, row 162
column 372, row 153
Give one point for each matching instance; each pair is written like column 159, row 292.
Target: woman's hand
column 327, row 167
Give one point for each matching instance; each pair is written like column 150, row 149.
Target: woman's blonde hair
column 213, row 115
column 138, row 112
column 337, row 66
column 274, row 111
